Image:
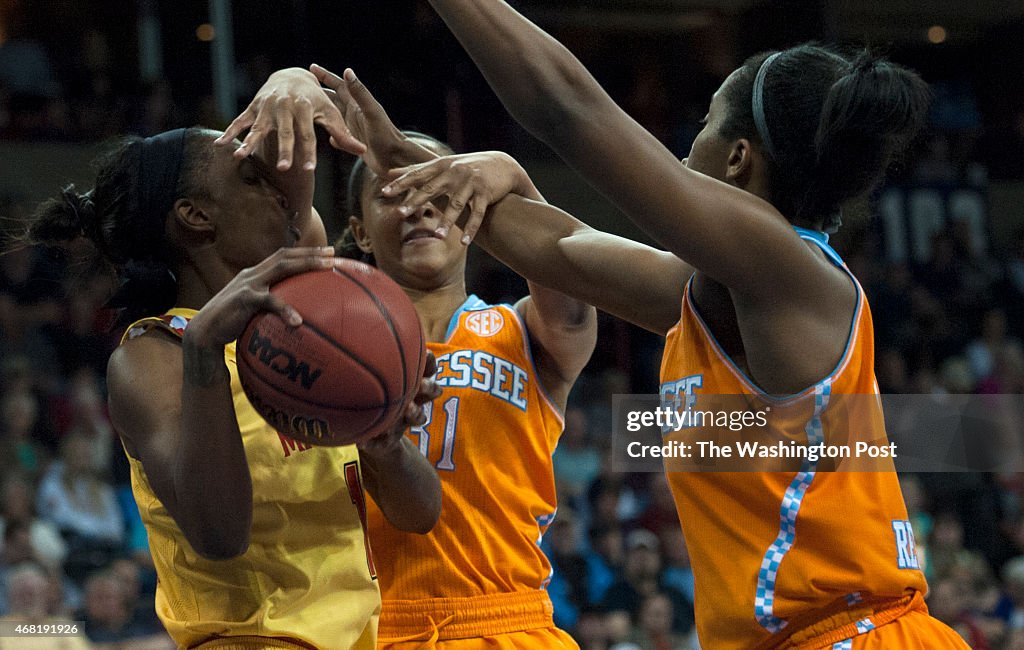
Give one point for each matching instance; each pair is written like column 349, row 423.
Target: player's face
column 709, row 153
column 251, row 214
column 408, row 248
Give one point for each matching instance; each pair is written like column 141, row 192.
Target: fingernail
column 405, row 210
column 442, row 231
column 309, row 166
column 283, row 164
column 387, row 189
column 327, row 249
column 466, row 239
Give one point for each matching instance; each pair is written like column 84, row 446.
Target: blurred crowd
column 72, row 546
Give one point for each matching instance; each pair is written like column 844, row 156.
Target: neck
column 197, row 283
column 436, row 306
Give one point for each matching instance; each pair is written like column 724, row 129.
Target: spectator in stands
column 654, row 629
column 108, row 617
column 577, row 463
column 83, row 506
column 641, row 577
column 567, row 586
column 994, row 343
column 18, row 505
column 604, row 560
column 26, row 592
column 20, row 450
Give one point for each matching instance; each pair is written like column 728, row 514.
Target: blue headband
column 757, row 100
column 159, row 169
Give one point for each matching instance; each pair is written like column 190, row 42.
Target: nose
column 424, row 211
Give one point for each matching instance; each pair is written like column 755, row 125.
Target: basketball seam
column 387, row 318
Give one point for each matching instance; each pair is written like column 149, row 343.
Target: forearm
column 212, row 484
column 552, row 249
column 404, row 486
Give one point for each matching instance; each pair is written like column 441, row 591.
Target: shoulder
column 148, row 352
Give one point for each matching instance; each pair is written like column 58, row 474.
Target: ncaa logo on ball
column 485, row 323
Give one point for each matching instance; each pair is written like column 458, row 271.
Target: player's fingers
column 414, row 415
column 265, row 268
column 287, row 313
column 259, row 129
column 238, row 125
column 430, row 366
column 477, row 211
column 305, row 135
column 341, row 136
column 401, row 179
column 456, row 204
column 284, row 123
column 360, row 94
column 326, row 77
column 331, row 119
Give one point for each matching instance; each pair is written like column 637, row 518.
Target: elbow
column 220, row 550
column 219, row 540
column 422, row 519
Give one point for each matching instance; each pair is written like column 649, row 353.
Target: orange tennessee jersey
column 792, row 558
column 490, row 435
column 306, row 579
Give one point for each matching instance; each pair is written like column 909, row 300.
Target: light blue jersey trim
column 821, row 239
column 472, row 303
column 767, row 576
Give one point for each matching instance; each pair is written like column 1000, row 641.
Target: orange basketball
column 348, row 371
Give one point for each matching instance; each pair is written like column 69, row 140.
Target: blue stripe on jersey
column 764, row 598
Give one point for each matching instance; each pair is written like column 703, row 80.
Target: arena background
column 941, row 254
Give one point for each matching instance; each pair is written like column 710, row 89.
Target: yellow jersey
column 306, row 579
column 792, row 558
column 490, row 435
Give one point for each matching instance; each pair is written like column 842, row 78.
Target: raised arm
column 721, row 230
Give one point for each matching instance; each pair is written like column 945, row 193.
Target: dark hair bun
column 71, row 216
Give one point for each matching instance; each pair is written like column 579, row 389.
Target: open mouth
column 421, row 234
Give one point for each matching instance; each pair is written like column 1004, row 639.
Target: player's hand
column 386, row 145
column 414, row 414
column 289, row 104
column 474, row 181
column 223, row 319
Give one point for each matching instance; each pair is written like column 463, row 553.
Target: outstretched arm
column 546, row 245
column 733, row 236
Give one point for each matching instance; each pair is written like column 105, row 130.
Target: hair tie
column 159, row 170
column 757, row 100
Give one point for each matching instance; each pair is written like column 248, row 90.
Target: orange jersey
column 490, row 435
column 798, row 557
column 305, row 580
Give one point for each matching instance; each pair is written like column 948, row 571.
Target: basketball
column 348, row 371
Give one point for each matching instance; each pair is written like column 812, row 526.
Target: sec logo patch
column 485, row 323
